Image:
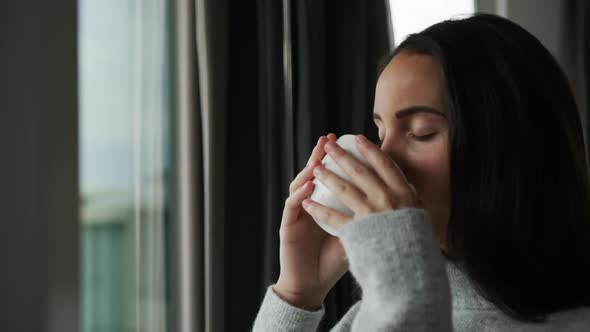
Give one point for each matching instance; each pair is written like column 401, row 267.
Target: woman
column 480, row 118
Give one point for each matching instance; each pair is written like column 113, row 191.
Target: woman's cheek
column 430, row 176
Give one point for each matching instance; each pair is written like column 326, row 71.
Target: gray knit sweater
column 407, row 285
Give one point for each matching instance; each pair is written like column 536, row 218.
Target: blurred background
column 148, row 145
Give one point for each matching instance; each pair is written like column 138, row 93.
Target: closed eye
column 423, row 138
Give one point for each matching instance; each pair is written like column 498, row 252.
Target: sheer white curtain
column 124, row 80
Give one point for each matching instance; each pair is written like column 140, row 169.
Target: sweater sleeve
column 395, row 259
column 277, row 315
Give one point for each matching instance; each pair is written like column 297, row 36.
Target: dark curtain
column 276, row 114
column 581, row 15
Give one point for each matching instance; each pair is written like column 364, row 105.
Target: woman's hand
column 382, row 188
column 312, row 261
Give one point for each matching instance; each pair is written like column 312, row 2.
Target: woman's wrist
column 305, row 302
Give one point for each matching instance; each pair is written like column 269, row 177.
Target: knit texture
column 407, row 285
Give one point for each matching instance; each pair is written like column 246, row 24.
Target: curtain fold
column 581, row 34
column 244, row 239
column 212, row 45
column 187, row 227
column 274, row 136
column 199, row 130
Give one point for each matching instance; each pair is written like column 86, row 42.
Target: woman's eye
column 423, row 138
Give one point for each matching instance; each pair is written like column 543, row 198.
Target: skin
column 413, row 79
column 311, row 260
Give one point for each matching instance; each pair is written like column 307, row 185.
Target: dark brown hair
column 520, row 214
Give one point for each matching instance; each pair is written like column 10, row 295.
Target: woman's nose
column 395, row 153
column 390, row 149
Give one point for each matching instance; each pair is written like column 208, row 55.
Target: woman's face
column 411, row 115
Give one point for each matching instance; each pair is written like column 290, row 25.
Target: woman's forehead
column 411, row 79
column 409, row 68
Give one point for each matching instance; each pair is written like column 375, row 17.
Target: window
column 124, row 160
column 413, row 16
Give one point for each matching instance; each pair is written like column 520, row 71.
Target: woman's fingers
column 305, row 175
column 333, row 218
column 318, row 149
column 315, row 159
column 386, row 170
column 318, row 152
column 347, row 191
column 293, row 203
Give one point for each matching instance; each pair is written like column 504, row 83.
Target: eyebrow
column 412, row 110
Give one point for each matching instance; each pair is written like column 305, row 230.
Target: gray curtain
column 199, row 165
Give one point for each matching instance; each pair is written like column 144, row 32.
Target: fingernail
column 305, row 186
column 330, row 146
column 305, row 204
column 318, row 170
column 361, row 139
column 319, row 140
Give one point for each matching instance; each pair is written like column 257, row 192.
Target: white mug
column 322, row 195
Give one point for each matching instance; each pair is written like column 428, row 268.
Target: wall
column 38, row 183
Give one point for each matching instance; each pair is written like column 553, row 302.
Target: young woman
column 480, row 118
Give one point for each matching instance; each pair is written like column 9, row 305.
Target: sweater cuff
column 278, row 315
column 383, row 244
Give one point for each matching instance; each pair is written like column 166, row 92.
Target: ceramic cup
column 322, row 195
